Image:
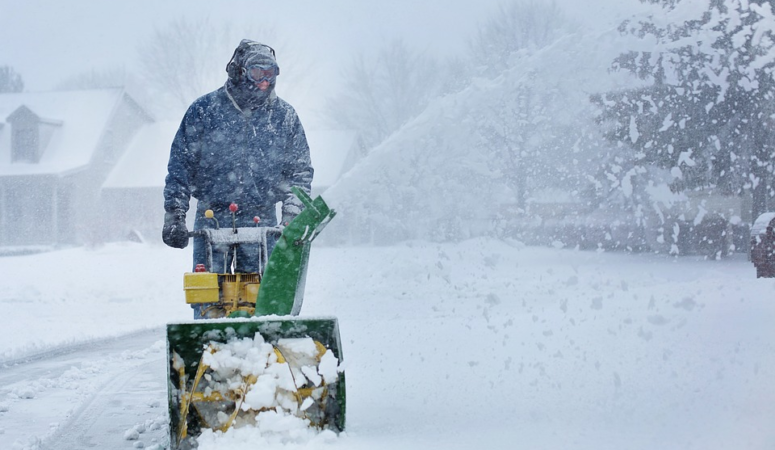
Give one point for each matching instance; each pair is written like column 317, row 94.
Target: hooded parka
column 234, row 147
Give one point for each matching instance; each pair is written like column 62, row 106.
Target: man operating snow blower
column 239, row 151
column 242, row 145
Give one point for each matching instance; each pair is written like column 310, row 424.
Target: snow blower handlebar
column 283, row 273
column 227, row 237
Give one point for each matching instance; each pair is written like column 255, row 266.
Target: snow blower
column 253, row 357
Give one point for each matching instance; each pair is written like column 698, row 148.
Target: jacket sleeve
column 298, row 169
column 181, row 166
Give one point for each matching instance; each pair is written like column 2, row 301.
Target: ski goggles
column 259, row 73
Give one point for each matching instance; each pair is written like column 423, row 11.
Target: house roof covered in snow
column 80, row 118
column 144, row 164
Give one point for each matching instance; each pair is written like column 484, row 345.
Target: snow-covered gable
column 79, row 118
column 144, row 164
column 23, row 112
column 30, row 134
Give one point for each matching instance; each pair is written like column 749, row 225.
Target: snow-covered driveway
column 482, row 344
column 98, row 395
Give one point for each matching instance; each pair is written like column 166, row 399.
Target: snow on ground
column 59, row 298
column 481, row 344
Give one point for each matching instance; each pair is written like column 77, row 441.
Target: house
column 133, row 191
column 56, row 151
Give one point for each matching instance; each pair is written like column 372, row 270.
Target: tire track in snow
column 132, row 401
column 129, row 341
column 87, row 395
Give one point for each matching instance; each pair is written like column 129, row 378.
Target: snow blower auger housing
column 254, row 355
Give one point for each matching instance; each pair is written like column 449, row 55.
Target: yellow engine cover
column 201, row 287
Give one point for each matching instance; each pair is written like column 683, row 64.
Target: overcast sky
column 47, row 40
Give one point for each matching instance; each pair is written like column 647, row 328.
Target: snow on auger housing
column 254, row 355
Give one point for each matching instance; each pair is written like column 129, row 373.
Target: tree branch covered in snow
column 187, row 59
column 707, row 115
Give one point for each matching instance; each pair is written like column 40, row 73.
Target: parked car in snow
column 763, row 245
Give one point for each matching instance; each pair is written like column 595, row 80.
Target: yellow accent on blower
column 229, row 292
column 201, row 287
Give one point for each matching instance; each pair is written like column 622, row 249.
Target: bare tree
column 520, row 127
column 185, row 60
column 10, row 81
column 381, row 94
column 519, row 25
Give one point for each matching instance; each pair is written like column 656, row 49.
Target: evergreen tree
column 708, row 114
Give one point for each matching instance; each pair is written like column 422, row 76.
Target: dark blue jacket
column 222, row 155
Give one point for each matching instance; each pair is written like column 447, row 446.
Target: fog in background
column 629, row 125
column 48, row 41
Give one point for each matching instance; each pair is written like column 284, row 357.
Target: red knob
column 200, row 268
column 256, row 219
column 233, row 207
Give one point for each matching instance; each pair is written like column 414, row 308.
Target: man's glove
column 175, row 233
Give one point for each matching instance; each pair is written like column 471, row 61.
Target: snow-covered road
column 455, row 346
column 96, row 395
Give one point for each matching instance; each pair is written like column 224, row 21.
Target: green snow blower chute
column 254, row 355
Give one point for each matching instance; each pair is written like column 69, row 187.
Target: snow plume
column 447, row 174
